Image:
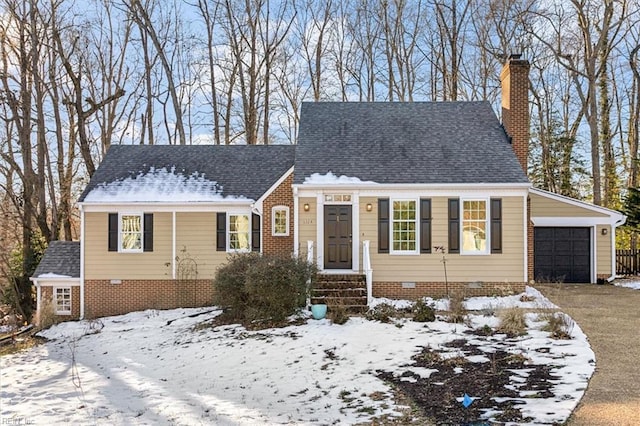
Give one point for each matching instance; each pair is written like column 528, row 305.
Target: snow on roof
column 160, row 185
column 52, row 275
column 331, row 179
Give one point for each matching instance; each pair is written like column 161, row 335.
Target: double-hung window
column 474, row 227
column 280, row 221
column 239, row 232
column 62, row 300
column 131, row 232
column 404, row 227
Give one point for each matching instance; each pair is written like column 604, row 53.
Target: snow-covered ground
column 629, row 283
column 160, row 367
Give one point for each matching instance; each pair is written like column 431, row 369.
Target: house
column 370, row 190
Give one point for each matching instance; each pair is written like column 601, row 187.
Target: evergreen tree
column 631, row 209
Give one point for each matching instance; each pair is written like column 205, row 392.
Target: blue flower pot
column 318, row 311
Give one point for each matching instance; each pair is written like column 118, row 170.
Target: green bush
column 423, row 312
column 253, row 288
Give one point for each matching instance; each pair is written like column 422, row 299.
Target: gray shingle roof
column 241, row 170
column 61, row 258
column 418, row 142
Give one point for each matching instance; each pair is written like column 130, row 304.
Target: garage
column 562, row 254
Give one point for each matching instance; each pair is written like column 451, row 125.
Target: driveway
column 610, row 317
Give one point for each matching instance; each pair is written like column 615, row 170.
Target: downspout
column 526, row 219
column 82, row 243
column 613, row 247
column 173, row 244
column 296, row 237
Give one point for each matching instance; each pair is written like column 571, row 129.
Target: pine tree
column 631, row 209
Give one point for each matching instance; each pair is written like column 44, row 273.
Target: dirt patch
column 610, row 317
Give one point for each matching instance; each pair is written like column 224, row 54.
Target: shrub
column 423, row 312
column 512, row 322
column 559, row 325
column 252, row 287
column 46, row 315
column 338, row 314
column 457, row 309
column 382, row 312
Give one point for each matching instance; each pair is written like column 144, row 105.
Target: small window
column 404, row 226
column 62, row 300
column 474, row 227
column 280, row 221
column 239, row 232
column 131, row 232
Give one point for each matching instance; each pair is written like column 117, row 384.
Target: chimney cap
column 515, row 56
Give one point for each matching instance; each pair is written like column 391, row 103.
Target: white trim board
column 415, row 191
column 614, row 218
column 570, row 221
column 221, row 206
column 259, row 201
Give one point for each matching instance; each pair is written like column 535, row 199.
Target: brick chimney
column 515, row 105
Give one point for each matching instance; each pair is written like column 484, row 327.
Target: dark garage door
column 562, row 254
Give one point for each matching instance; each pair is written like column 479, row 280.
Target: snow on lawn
column 534, row 299
column 630, row 283
column 141, row 369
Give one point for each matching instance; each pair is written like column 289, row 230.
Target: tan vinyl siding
column 505, row 267
column 603, row 250
column 307, row 223
column 547, row 207
column 196, row 240
column 103, row 264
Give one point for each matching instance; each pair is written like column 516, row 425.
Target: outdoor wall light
column 604, row 231
column 306, row 207
column 369, row 207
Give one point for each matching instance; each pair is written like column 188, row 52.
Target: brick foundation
column 104, row 299
column 394, row 290
column 46, row 294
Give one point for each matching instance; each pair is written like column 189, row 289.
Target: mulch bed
column 437, row 396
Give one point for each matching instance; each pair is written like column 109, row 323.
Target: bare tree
column 582, row 47
column 141, row 14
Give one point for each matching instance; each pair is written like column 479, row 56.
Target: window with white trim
column 404, row 226
column 280, row 221
column 131, row 232
column 474, row 227
column 62, row 300
column 239, row 232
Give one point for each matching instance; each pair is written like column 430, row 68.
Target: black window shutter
column 147, row 243
column 255, row 232
column 383, row 225
column 454, row 225
column 113, row 231
column 221, row 232
column 425, row 225
column 496, row 225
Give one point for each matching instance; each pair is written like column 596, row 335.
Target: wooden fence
column 628, row 262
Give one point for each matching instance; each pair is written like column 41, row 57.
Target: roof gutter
column 621, row 221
